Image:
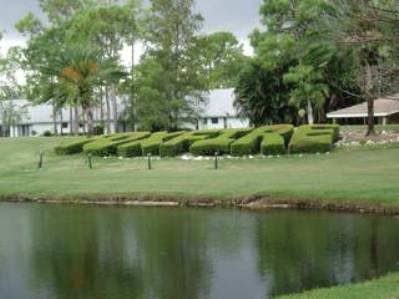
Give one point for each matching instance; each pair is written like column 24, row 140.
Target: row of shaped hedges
column 220, row 144
column 109, row 145
column 268, row 140
column 259, row 139
column 314, row 139
column 182, row 144
column 150, row 145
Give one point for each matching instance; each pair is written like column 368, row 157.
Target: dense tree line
column 74, row 60
column 319, row 55
column 312, row 57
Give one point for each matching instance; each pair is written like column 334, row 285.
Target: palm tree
column 77, row 72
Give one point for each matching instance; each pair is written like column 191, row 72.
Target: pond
column 91, row 252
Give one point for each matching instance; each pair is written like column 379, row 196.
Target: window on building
column 215, row 120
column 65, row 125
column 81, row 126
column 205, row 121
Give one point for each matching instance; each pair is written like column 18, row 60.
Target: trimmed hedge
column 146, row 146
column 251, row 144
column 109, row 145
column 221, row 144
column 153, row 144
column 181, row 144
column 268, row 140
column 75, row 147
column 314, row 139
column 273, row 144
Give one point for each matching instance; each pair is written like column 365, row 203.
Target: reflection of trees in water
column 302, row 251
column 173, row 253
column 117, row 253
column 71, row 258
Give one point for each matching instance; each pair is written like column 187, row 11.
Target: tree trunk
column 310, row 113
column 132, row 103
column 114, row 110
column 370, row 117
column 102, row 106
column 55, row 120
column 108, row 110
column 76, row 121
column 71, row 124
column 370, row 100
column 90, row 122
column 61, row 120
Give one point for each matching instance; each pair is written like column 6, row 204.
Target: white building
column 217, row 113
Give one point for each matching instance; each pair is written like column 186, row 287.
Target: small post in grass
column 90, row 161
column 216, row 161
column 40, row 164
column 149, row 164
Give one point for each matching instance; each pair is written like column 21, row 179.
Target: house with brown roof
column 386, row 111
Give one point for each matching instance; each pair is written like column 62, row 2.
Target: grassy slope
column 383, row 288
column 361, row 175
column 369, row 176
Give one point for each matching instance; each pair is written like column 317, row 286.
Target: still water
column 91, row 252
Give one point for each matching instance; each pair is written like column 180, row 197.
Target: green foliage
column 150, row 145
column 314, row 139
column 182, row 143
column 153, row 144
column 220, row 144
column 71, row 148
column 262, row 95
column 221, row 56
column 109, row 146
column 250, row 144
column 273, row 144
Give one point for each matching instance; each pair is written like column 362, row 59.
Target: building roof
column 220, row 104
column 382, row 107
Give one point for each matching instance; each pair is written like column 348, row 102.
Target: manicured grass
column 383, row 288
column 365, row 176
column 360, row 176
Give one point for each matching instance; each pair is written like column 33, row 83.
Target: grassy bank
column 365, row 177
column 383, row 288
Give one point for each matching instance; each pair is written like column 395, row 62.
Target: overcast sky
column 237, row 16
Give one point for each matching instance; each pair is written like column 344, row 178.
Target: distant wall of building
column 223, row 123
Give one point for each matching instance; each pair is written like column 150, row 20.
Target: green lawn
column 358, row 176
column 383, row 288
column 367, row 177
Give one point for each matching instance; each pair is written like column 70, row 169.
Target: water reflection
column 86, row 252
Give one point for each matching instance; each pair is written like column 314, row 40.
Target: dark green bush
column 47, row 134
column 250, row 144
column 220, row 144
column 181, row 144
column 313, row 139
column 273, row 144
column 109, row 145
column 71, row 148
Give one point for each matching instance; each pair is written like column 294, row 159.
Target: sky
column 237, row 16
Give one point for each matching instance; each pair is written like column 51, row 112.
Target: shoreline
column 252, row 203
